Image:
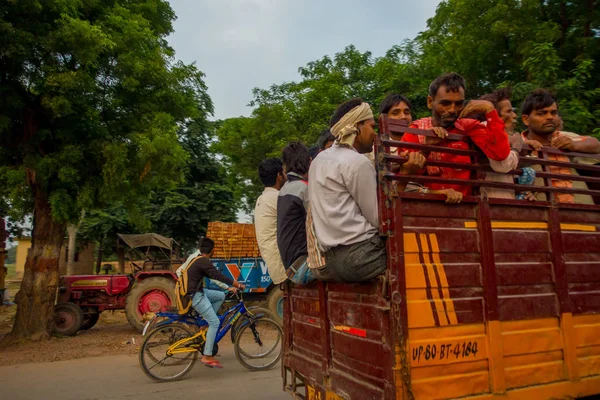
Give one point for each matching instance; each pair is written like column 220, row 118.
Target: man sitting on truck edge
column 272, row 176
column 447, row 100
column 540, row 115
column 205, row 301
column 343, row 196
column 291, row 214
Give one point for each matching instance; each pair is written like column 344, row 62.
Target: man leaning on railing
column 541, row 117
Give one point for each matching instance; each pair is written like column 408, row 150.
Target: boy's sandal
column 212, row 364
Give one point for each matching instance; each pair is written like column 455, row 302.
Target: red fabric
column 489, row 136
column 447, row 173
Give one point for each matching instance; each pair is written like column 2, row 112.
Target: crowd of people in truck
column 318, row 218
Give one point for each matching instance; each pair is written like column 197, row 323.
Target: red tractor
column 149, row 289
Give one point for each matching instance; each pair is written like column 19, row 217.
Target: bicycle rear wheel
column 258, row 345
column 160, row 366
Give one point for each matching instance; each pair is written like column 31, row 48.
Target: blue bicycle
column 171, row 348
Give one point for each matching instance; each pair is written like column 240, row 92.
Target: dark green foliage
column 524, row 44
column 90, row 99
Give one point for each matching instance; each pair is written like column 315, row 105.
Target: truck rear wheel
column 68, row 318
column 148, row 296
column 275, row 304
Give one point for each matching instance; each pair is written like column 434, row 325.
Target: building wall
column 23, row 246
column 85, row 260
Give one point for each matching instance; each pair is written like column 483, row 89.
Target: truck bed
column 485, row 299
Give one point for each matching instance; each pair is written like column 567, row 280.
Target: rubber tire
column 77, row 314
column 139, row 288
column 239, row 356
column 275, row 296
column 194, row 356
column 260, row 311
column 89, row 320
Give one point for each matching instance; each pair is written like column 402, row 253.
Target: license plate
column 146, row 327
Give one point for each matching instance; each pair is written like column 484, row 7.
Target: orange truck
column 487, row 299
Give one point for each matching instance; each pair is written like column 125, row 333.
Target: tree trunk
column 587, row 29
column 72, row 249
column 35, row 300
column 121, row 255
column 99, row 260
column 3, row 271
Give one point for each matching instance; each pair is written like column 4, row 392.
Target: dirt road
column 120, row 377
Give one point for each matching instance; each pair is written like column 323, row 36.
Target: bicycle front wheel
column 160, row 366
column 258, row 345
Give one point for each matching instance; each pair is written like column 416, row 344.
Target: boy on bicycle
column 205, row 301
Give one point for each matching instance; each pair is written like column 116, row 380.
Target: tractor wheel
column 68, row 318
column 90, row 317
column 275, row 303
column 148, row 296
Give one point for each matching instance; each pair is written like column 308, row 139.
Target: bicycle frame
column 226, row 321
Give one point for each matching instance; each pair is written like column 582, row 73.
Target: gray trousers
column 357, row 262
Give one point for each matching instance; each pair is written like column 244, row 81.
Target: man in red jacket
column 446, row 100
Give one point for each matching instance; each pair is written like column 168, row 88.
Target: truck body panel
column 485, row 299
column 251, row 271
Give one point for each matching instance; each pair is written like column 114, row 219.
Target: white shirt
column 342, row 189
column 265, row 225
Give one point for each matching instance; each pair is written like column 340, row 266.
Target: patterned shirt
column 558, row 183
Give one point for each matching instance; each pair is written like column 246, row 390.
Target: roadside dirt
column 111, row 335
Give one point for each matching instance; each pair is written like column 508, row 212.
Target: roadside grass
column 12, row 270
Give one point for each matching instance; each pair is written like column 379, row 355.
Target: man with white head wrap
column 342, row 190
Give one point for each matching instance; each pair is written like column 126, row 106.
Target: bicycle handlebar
column 239, row 294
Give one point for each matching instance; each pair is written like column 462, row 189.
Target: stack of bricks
column 233, row 240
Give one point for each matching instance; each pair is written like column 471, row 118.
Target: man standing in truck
column 447, row 102
column 272, row 176
column 398, row 107
column 343, row 196
column 540, row 115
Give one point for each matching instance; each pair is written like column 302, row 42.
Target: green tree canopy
column 301, row 110
column 91, row 98
column 524, row 44
column 207, row 194
column 183, row 212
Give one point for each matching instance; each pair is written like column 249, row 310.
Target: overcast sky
column 243, row 44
